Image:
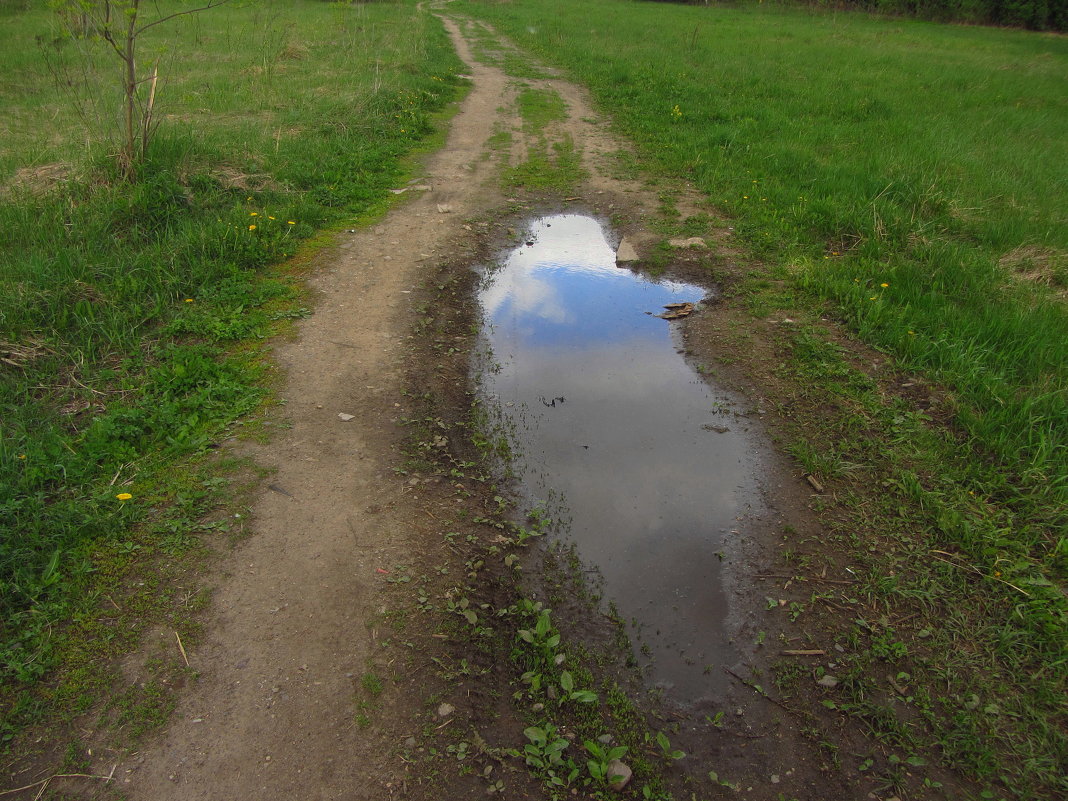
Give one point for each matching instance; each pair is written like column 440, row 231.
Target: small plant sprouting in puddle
column 665, row 747
column 715, row 779
column 716, row 720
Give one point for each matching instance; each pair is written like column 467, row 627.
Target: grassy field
column 910, row 180
column 131, row 313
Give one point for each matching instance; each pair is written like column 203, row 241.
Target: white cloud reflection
column 574, row 243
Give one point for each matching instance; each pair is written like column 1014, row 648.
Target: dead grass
column 294, row 51
column 39, row 180
column 17, row 354
column 232, row 178
column 1043, row 266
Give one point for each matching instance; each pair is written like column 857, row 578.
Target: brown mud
column 337, row 662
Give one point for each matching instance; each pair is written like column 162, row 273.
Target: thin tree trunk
column 129, row 154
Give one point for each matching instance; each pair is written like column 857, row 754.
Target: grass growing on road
column 131, row 314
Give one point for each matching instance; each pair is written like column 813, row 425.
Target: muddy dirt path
column 295, row 641
column 271, row 715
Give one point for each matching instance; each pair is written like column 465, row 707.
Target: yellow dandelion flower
column 253, row 214
column 188, row 300
column 884, row 286
column 290, row 222
column 22, row 456
column 252, row 228
column 124, row 496
column 269, row 217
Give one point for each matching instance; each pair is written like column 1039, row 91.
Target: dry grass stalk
column 17, row 355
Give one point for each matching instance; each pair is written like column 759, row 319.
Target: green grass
column 552, row 161
column 974, row 635
column 132, row 313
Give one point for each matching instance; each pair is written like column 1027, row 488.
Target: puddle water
column 609, row 418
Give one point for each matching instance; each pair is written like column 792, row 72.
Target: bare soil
column 331, row 666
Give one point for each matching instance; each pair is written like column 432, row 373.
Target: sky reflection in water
column 648, row 487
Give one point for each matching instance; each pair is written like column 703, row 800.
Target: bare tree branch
column 155, row 22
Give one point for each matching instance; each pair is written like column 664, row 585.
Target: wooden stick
column 108, row 778
column 979, row 572
column 181, row 648
column 802, row 578
column 749, row 684
column 812, row 652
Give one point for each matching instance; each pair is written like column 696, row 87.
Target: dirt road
column 289, row 701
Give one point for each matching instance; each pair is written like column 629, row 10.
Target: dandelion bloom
column 884, row 286
column 290, row 222
column 22, row 456
column 188, row 300
column 254, row 214
column 252, row 228
column 124, row 496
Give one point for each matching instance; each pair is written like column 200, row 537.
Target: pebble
column 445, row 710
column 828, row 681
column 621, row 772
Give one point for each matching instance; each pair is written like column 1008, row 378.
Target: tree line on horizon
column 1038, row 15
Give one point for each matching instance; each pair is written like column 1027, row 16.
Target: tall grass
column 123, row 305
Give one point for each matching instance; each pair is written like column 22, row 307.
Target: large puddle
column 649, row 463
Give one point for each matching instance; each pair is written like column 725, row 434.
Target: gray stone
column 445, row 710
column 625, row 253
column 828, row 681
column 618, row 775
